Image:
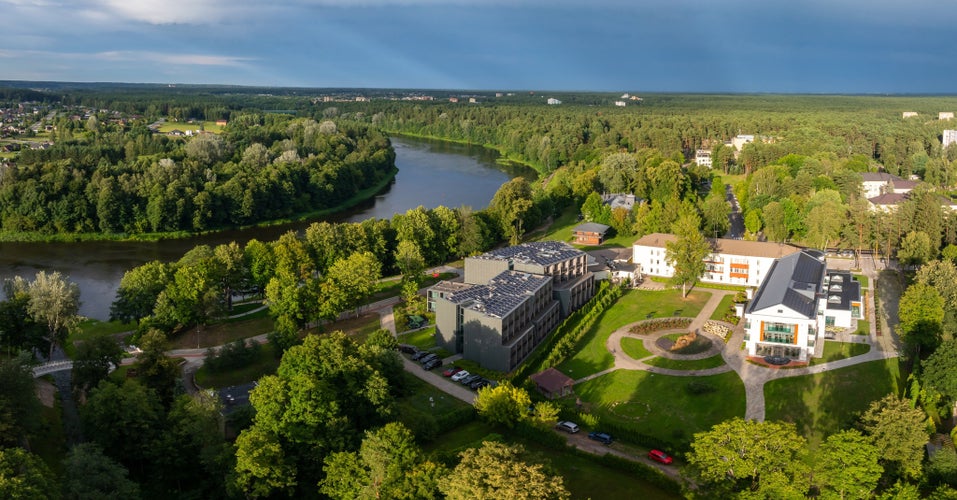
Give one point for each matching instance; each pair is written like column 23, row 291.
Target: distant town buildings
column 909, row 114
column 621, row 104
column 552, row 101
column 945, row 115
column 739, row 141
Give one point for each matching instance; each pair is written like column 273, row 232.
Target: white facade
column 739, row 141
column 703, row 157
column 909, row 114
column 950, row 137
column 553, row 101
column 945, row 115
column 735, row 262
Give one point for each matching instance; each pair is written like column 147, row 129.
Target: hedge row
column 658, row 324
column 562, row 342
column 426, row 426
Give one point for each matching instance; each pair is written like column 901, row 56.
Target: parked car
column 460, row 375
column 478, row 384
column 428, row 358
column 419, row 355
column 569, row 427
column 601, row 437
column 468, row 380
column 433, row 363
column 408, row 349
column 660, row 456
column 452, row 370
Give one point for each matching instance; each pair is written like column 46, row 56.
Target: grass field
column 834, row 351
column 423, row 339
column 222, row 333
column 825, row 403
column 583, row 477
column 265, row 363
column 863, row 327
column 634, row 305
column 634, row 348
column 169, row 126
column 687, row 364
column 862, row 279
column 723, row 307
column 662, row 406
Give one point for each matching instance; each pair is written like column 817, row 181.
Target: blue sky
column 829, row 46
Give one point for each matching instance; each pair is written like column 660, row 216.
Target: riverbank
column 35, row 237
column 504, row 156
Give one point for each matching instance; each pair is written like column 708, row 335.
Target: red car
column 660, row 456
column 451, row 371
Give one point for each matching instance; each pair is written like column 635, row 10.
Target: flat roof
column 843, row 289
column 543, row 253
column 502, row 294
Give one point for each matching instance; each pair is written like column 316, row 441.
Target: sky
column 777, row 46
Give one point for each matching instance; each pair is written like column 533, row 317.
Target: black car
column 408, row 349
column 429, row 358
column 467, row 381
column 601, row 437
column 419, row 355
column 431, row 364
column 478, row 384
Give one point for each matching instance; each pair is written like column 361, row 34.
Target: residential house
column 877, row 183
column 886, row 202
column 795, row 304
column 909, row 114
column 621, row 104
column 619, row 200
column 552, row 101
column 590, row 233
column 734, row 262
column 945, row 115
column 739, row 141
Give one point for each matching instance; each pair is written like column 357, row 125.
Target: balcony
column 779, row 339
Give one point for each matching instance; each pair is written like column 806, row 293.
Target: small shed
column 553, row 383
column 590, row 233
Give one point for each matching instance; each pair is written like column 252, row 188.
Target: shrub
column 231, row 356
column 657, row 324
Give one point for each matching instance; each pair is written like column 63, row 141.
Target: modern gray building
column 515, row 297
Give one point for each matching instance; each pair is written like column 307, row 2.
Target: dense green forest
column 101, row 176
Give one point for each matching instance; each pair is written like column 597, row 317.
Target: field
column 169, row 126
column 634, row 305
column 834, row 351
column 825, row 403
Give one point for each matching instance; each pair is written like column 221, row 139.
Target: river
column 431, row 173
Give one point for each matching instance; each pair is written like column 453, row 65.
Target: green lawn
column 418, row 400
column 834, row 351
column 724, row 306
column 661, row 405
column 583, row 477
column 687, row 364
column 265, row 363
column 634, row 348
column 862, row 279
column 92, row 328
column 169, row 126
column 634, row 305
column 423, row 339
column 223, row 333
column 825, row 403
column 863, row 327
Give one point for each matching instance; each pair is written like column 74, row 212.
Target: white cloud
column 171, row 11
column 172, row 58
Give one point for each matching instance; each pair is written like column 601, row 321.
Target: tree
column 774, row 225
column 916, row 249
column 941, row 275
column 899, row 433
column 847, row 465
column 206, row 149
column 824, row 223
column 20, row 411
column 739, row 455
column 18, row 330
column 940, row 371
column 470, row 237
column 616, row 172
column 349, row 282
column 156, row 370
column 387, row 465
column 55, row 302
column 717, row 213
column 502, row 405
column 262, row 468
column 193, row 456
column 125, row 421
column 23, row 475
column 93, row 360
column 595, row 210
column 687, row 253
column 495, row 471
column 88, row 473
column 409, row 261
column 921, row 315
column 510, row 204
column 138, row 291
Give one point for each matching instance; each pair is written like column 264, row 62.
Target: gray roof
column 502, row 294
column 591, row 227
column 543, row 253
column 619, row 200
column 794, row 282
column 879, row 177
